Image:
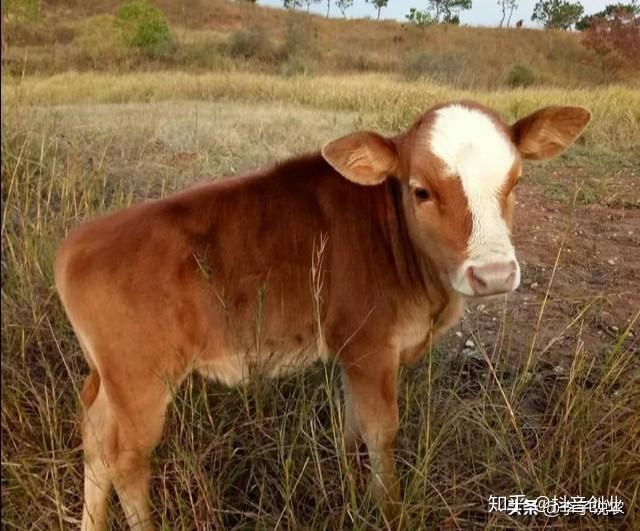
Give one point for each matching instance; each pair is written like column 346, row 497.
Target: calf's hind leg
column 97, row 482
column 122, row 427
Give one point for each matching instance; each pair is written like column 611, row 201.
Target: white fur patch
column 476, row 151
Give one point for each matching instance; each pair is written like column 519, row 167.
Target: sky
column 483, row 13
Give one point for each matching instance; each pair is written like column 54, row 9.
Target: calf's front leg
column 372, row 409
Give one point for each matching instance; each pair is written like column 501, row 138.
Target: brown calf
column 364, row 252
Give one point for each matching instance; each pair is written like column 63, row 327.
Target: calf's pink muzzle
column 493, row 278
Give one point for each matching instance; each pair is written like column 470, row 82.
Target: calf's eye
column 422, row 194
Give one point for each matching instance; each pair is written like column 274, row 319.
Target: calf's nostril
column 478, row 279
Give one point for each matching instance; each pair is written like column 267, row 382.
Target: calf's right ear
column 364, row 157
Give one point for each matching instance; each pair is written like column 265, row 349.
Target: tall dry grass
column 393, row 103
column 271, row 455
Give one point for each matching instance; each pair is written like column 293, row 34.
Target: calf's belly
column 239, row 366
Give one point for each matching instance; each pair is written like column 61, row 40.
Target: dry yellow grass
column 390, row 102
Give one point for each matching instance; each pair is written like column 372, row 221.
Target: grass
column 390, row 107
column 501, row 421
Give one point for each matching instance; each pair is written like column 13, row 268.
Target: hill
column 219, row 35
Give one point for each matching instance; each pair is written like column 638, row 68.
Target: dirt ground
column 593, row 293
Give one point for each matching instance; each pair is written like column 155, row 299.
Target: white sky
column 483, row 13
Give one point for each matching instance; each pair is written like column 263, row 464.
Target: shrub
column 250, row 43
column 520, row 76
column 143, row 26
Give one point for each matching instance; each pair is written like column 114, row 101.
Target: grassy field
column 543, row 404
column 380, row 101
column 538, row 394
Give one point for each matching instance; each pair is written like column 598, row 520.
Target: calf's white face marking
column 474, row 150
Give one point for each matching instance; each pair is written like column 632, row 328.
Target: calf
column 364, row 252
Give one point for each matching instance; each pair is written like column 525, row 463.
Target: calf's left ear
column 549, row 131
column 363, row 157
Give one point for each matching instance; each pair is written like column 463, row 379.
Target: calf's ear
column 363, row 157
column 549, row 131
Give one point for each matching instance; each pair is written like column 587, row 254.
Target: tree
column 308, row 3
column 607, row 13
column 450, row 9
column 507, row 6
column 378, row 4
column 615, row 34
column 512, row 7
column 560, row 14
column 419, row 17
column 292, row 4
column 446, row 11
column 343, row 5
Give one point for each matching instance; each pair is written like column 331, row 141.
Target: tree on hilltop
column 609, row 12
column 292, row 4
column 614, row 34
column 437, row 11
column 343, row 5
column 507, row 6
column 378, row 4
column 558, row 14
column 308, row 3
column 420, row 17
